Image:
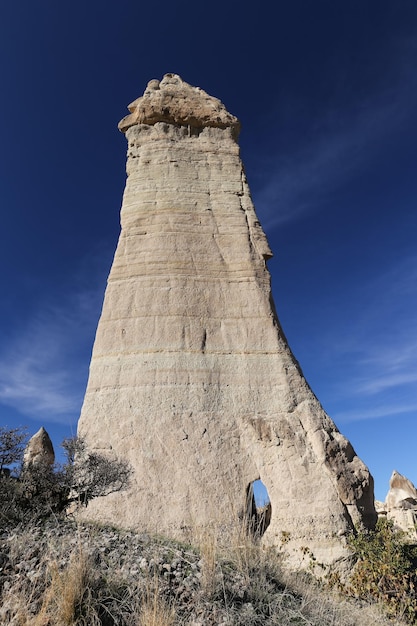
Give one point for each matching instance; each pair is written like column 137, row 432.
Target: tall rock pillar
column 191, row 377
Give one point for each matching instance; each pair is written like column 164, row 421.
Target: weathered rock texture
column 191, row 377
column 39, row 450
column 400, row 505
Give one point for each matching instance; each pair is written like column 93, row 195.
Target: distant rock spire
column 39, row 450
column 400, row 505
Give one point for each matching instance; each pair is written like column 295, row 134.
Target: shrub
column 88, row 475
column 12, row 445
column 386, row 569
column 40, row 490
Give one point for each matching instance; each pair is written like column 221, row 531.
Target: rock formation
column 400, row 505
column 191, row 377
column 39, row 450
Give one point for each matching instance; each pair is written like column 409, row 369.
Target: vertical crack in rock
column 188, row 336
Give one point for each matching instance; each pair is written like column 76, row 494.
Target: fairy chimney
column 39, row 450
column 401, row 504
column 191, row 377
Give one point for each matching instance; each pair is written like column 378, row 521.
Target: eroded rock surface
column 191, row 377
column 39, row 450
column 401, row 504
column 176, row 102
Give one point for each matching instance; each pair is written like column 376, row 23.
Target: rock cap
column 174, row 101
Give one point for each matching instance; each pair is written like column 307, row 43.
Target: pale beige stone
column 174, row 101
column 39, row 450
column 380, row 508
column 405, row 519
column 401, row 491
column 401, row 504
column 191, row 377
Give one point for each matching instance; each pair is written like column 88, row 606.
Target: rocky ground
column 67, row 574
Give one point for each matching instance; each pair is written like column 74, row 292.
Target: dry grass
column 284, row 598
column 206, row 541
column 235, row 582
column 154, row 610
column 67, row 591
column 64, row 599
column 320, row 605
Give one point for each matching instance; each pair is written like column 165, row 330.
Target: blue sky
column 327, row 95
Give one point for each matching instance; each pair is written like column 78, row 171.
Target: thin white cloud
column 387, row 381
column 390, row 318
column 390, row 363
column 377, row 351
column 341, row 143
column 43, row 367
column 376, row 412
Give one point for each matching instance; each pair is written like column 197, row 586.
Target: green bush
column 31, row 493
column 12, row 446
column 386, row 570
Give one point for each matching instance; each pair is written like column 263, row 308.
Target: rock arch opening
column 258, row 508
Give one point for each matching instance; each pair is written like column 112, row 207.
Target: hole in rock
column 260, row 493
column 258, row 508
